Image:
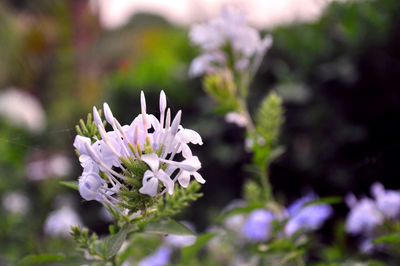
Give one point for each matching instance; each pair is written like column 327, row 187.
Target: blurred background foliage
column 338, row 77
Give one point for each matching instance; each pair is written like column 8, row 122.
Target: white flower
column 207, row 63
column 155, row 142
column 59, row 222
column 16, row 202
column 41, row 166
column 228, row 31
column 151, row 177
column 180, row 241
column 22, row 109
column 236, row 118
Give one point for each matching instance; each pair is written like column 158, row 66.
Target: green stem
column 300, row 262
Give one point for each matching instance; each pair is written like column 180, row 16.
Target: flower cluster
column 367, row 214
column 140, row 157
column 227, row 41
column 298, row 216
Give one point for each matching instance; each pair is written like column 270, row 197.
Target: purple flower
column 387, row 201
column 257, row 227
column 306, row 217
column 159, row 258
column 364, row 215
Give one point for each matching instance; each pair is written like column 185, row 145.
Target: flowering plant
column 133, row 170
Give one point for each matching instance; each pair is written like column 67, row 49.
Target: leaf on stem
column 168, row 227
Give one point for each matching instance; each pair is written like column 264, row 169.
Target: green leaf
column 114, row 242
column 390, row 238
column 168, row 227
column 325, row 200
column 70, row 184
column 189, row 252
column 34, row 259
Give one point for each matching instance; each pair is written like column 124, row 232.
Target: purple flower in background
column 257, row 227
column 306, row 217
column 387, row 201
column 364, row 215
column 159, row 258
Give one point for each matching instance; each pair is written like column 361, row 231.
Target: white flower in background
column 41, row 166
column 387, row 201
column 22, row 109
column 59, row 222
column 227, row 36
column 15, row 202
column 236, row 118
column 180, row 241
column 153, row 141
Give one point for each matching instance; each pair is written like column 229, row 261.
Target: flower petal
column 79, row 144
column 149, row 187
column 184, row 179
column 166, row 180
column 108, row 114
column 152, row 161
column 198, row 178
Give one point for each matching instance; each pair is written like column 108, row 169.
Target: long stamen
column 97, row 159
column 163, row 106
column 113, row 206
column 175, row 151
column 143, row 109
column 167, row 125
column 107, row 141
column 174, row 130
column 123, row 134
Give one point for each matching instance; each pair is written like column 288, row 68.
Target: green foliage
column 70, row 184
column 91, row 243
column 222, row 89
column 173, row 204
column 114, row 242
column 389, row 238
column 166, row 227
column 269, row 119
column 131, row 198
column 325, row 200
column 88, row 128
column 188, row 253
column 252, row 192
column 40, row 259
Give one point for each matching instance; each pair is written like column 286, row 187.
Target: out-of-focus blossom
column 180, row 241
column 364, row 216
column 59, row 222
column 227, row 38
column 236, row 118
column 42, row 166
column 15, row 202
column 309, row 217
column 160, row 257
column 22, row 109
column 258, row 225
column 387, row 201
column 207, row 63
